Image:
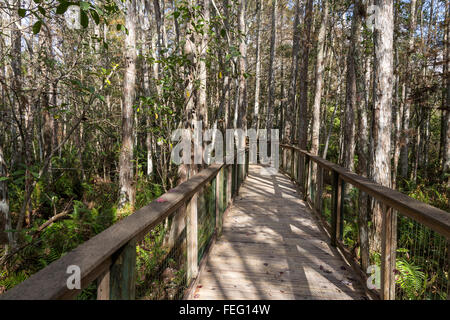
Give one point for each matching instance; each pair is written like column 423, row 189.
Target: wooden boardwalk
column 272, row 248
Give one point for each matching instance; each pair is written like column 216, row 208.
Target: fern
column 410, row 279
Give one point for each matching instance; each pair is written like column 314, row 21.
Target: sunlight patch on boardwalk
column 272, row 248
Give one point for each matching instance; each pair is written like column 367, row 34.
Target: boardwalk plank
column 272, row 248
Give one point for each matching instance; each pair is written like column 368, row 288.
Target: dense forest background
column 88, row 104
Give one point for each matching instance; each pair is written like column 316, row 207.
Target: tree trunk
column 404, row 137
column 242, row 112
column 319, row 80
column 256, row 118
column 382, row 96
column 351, row 90
column 446, row 111
column 203, row 110
column 303, row 101
column 290, row 123
column 5, row 217
column 271, row 80
column 127, row 193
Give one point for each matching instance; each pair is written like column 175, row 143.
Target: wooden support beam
column 236, row 179
column 388, row 252
column 103, row 286
column 336, row 194
column 192, row 238
column 319, row 185
column 219, row 200
column 340, row 215
column 122, row 282
column 307, row 177
column 292, row 164
column 448, row 268
column 229, row 185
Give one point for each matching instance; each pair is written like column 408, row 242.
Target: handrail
column 435, row 219
column 432, row 217
column 96, row 256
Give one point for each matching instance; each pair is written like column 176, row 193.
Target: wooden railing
column 311, row 173
column 109, row 258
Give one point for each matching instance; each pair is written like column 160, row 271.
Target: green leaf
column 3, row 179
column 84, row 5
column 95, row 16
column 37, row 27
column 22, row 12
column 62, row 7
column 84, row 20
column 42, row 10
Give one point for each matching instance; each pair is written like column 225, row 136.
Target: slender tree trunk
column 127, row 193
column 291, row 121
column 5, row 216
column 319, row 80
column 242, row 112
column 351, row 90
column 259, row 9
column 202, row 96
column 303, row 102
column 362, row 168
column 446, row 112
column 404, row 137
column 382, row 96
column 271, row 78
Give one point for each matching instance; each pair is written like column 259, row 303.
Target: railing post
column 236, row 178
column 247, row 162
column 192, row 238
column 284, row 158
column 448, row 268
column 292, row 163
column 388, row 252
column 122, row 280
column 103, row 285
column 229, row 184
column 336, row 212
column 307, row 180
column 219, row 200
column 300, row 159
column 319, row 184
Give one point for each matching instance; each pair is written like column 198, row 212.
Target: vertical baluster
column 236, row 174
column 192, row 238
column 219, row 200
column 448, row 268
column 319, row 184
column 103, row 285
column 122, row 280
column 336, row 211
column 292, row 163
column 300, row 166
column 307, row 175
column 341, row 213
column 229, row 184
column 388, row 252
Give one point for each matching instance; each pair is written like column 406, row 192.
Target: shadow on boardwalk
column 272, row 248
